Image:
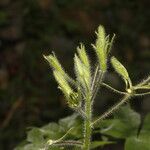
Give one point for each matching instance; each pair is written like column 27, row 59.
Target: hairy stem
column 81, row 112
column 69, row 143
column 142, row 94
column 144, row 82
column 142, row 88
column 97, row 84
column 113, row 89
column 112, row 109
column 87, row 123
column 94, row 78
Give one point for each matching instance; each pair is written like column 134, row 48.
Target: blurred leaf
column 28, row 147
column 128, row 115
column 96, row 144
column 34, row 147
column 146, row 124
column 72, row 121
column 52, row 131
column 134, row 143
column 69, row 121
column 145, row 131
column 35, row 135
column 142, row 142
column 125, row 124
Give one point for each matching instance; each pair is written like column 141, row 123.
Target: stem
column 94, row 78
column 81, row 112
column 142, row 94
column 113, row 89
column 144, row 81
column 142, row 88
column 64, row 143
column 97, row 83
column 87, row 123
column 124, row 93
column 112, row 109
column 69, row 143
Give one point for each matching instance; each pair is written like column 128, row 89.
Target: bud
column 73, row 100
column 83, row 55
column 121, row 70
column 102, row 47
column 71, row 96
column 54, row 63
column 63, row 84
column 82, row 73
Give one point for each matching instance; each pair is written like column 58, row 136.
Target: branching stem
column 124, row 93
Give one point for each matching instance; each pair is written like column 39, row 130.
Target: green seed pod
column 71, row 96
column 63, row 84
column 100, row 48
column 82, row 73
column 54, row 63
column 83, row 55
column 121, row 70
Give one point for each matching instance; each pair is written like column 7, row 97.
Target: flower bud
column 54, row 63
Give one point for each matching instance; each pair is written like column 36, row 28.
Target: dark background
column 31, row 28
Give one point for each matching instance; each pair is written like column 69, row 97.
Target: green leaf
column 35, row 135
column 69, row 121
column 52, row 131
column 72, row 121
column 121, row 70
column 134, row 143
column 145, row 131
column 35, row 147
column 96, row 144
column 125, row 124
column 128, row 116
column 146, row 124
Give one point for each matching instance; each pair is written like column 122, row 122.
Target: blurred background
column 31, row 28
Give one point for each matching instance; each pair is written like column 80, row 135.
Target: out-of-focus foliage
column 31, row 28
column 141, row 140
column 126, row 125
column 37, row 138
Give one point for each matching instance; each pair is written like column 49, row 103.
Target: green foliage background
column 31, row 28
